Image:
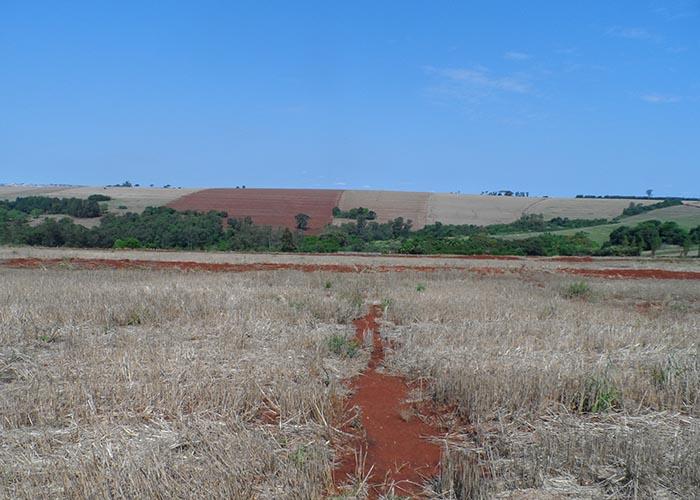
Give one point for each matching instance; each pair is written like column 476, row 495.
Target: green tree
column 695, row 237
column 302, row 221
column 654, row 242
column 687, row 242
column 287, row 241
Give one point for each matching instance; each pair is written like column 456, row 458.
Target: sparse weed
column 599, row 395
column 340, row 345
column 578, row 290
column 420, row 287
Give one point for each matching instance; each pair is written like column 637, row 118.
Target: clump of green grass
column 599, row 396
column 578, row 290
column 340, row 345
column 328, row 284
column 420, row 287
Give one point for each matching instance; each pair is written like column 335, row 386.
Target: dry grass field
column 171, row 384
column 134, row 199
column 389, row 204
column 485, row 210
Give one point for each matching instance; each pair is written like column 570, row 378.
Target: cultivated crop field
column 173, row 374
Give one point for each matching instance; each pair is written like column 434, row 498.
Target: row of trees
column 38, row 205
column 649, row 236
column 167, row 228
column 354, row 213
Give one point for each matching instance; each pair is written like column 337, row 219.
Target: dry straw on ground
column 169, row 384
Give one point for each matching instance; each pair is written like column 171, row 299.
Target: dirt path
column 391, row 446
column 81, row 263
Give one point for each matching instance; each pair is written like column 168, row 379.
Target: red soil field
column 392, row 443
column 270, row 207
column 32, row 263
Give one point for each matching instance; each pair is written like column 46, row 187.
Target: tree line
column 162, row 227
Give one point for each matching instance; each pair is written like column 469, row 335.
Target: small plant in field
column 299, row 456
column 578, row 290
column 420, row 287
column 328, row 284
column 134, row 319
column 342, row 346
column 664, row 374
column 600, row 395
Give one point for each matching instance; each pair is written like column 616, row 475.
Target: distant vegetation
column 354, row 213
column 38, row 205
column 537, row 223
column 638, row 208
column 163, row 227
column 628, row 197
column 649, row 235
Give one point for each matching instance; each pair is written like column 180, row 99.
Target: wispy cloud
column 631, row 33
column 660, row 98
column 672, row 10
column 482, row 78
column 517, row 56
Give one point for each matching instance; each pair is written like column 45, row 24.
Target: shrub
column 577, row 290
column 127, row 243
column 99, row 197
column 342, row 346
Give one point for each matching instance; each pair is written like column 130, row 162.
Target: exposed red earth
column 658, row 274
column 270, row 207
column 79, row 263
column 391, row 449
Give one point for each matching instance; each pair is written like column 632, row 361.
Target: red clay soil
column 78, row 263
column 392, row 447
column 658, row 274
column 571, row 259
column 270, row 207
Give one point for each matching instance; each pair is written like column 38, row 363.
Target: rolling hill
column 279, row 206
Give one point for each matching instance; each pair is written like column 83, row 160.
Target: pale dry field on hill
column 135, row 199
column 389, row 204
column 485, row 210
column 135, row 383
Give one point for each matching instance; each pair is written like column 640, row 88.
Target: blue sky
column 553, row 97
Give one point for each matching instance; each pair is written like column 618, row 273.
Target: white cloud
column 631, row 33
column 481, row 77
column 660, row 98
column 517, row 56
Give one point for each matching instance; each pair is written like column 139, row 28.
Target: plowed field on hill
column 272, row 207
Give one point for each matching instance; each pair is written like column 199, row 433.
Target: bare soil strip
column 391, row 450
column 78, row 263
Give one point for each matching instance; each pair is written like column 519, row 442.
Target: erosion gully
column 391, row 446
